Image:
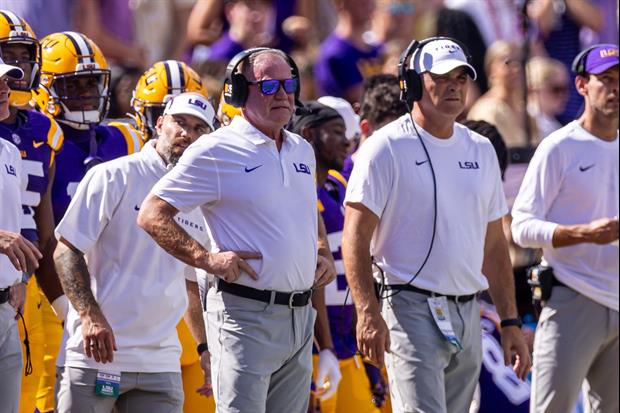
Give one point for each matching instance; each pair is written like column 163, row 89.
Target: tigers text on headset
column 236, row 85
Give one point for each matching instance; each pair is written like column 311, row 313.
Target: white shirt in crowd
column 572, row 179
column 10, row 206
column 392, row 177
column 254, row 198
column 139, row 287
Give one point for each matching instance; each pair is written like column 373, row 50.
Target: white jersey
column 572, row 179
column 139, row 287
column 254, row 198
column 392, row 177
column 10, row 205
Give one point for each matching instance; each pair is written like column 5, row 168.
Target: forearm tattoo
column 175, row 241
column 75, row 280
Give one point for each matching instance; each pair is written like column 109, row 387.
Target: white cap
column 440, row 57
column 344, row 109
column 11, row 71
column 191, row 103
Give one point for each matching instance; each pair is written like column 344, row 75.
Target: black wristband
column 201, row 348
column 511, row 322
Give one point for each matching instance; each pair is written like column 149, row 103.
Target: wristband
column 511, row 322
column 201, row 348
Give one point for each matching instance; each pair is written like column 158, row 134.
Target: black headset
column 410, row 81
column 236, row 85
column 579, row 63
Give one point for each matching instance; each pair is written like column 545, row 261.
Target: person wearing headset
column 568, row 206
column 427, row 192
column 255, row 183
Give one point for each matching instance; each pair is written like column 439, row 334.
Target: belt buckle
column 292, row 297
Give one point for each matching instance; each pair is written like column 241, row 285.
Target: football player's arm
column 195, row 322
column 325, row 268
column 371, row 331
column 156, row 217
column 497, row 268
column 203, row 26
column 46, row 275
column 97, row 333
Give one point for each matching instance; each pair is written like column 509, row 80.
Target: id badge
column 108, row 384
column 441, row 314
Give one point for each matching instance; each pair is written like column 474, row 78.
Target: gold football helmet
column 156, row 86
column 74, row 85
column 15, row 30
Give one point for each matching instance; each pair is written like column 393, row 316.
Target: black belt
column 292, row 299
column 409, row 287
column 4, row 295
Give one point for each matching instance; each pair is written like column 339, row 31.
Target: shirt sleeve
column 538, row 191
column 193, row 182
column 372, row 177
column 92, row 207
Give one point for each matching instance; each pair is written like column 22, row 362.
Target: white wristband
column 61, row 307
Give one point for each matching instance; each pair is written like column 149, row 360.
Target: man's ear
column 158, row 124
column 366, row 128
column 306, row 133
column 581, row 84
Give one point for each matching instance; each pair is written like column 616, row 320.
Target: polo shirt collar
column 251, row 133
column 152, row 158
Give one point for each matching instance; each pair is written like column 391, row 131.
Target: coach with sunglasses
column 255, row 183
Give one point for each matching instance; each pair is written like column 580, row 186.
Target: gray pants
column 425, row 374
column 139, row 392
column 576, row 340
column 10, row 360
column 261, row 354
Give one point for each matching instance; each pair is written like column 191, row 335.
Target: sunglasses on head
column 271, row 86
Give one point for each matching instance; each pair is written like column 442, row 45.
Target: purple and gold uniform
column 112, row 141
column 354, row 389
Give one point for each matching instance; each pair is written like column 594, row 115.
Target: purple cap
column 601, row 58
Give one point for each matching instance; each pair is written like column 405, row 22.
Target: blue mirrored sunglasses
column 271, row 86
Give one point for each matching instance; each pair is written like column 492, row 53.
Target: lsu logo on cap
column 609, row 52
column 197, row 102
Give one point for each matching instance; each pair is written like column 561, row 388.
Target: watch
column 511, row 322
column 202, row 347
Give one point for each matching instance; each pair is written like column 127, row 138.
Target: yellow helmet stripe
column 85, row 52
column 175, row 76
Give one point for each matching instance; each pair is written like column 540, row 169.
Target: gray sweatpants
column 261, row 354
column 139, row 392
column 10, row 360
column 576, row 340
column 425, row 375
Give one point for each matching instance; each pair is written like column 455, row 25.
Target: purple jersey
column 38, row 138
column 112, row 141
column 224, row 49
column 341, row 65
column 330, row 201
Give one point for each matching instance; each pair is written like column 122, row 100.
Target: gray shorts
column 425, row 374
column 139, row 392
column 261, row 354
column 10, row 360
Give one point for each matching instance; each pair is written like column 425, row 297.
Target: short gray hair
column 248, row 64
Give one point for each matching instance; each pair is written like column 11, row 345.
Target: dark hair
column 490, row 132
column 380, row 102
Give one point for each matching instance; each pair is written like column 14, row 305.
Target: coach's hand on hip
column 373, row 337
column 516, row 351
column 228, row 265
column 98, row 336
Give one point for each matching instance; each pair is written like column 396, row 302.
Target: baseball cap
column 312, row 114
column 344, row 108
column 191, row 103
column 11, row 71
column 602, row 57
column 439, row 57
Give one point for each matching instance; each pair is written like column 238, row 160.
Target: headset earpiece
column 579, row 63
column 236, row 85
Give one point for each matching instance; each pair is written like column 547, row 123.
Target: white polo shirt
column 10, row 206
column 254, row 198
column 572, row 179
column 139, row 287
column 392, row 178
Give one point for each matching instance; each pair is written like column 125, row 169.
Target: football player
column 73, row 89
column 38, row 138
column 156, row 86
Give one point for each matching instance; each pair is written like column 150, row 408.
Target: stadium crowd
column 292, row 206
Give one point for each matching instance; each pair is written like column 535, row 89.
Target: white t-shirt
column 139, row 287
column 392, row 177
column 254, row 198
column 572, row 179
column 10, row 205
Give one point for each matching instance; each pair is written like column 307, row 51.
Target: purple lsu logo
column 10, row 169
column 197, row 102
column 302, row 168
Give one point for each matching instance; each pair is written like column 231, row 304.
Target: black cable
column 28, row 367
